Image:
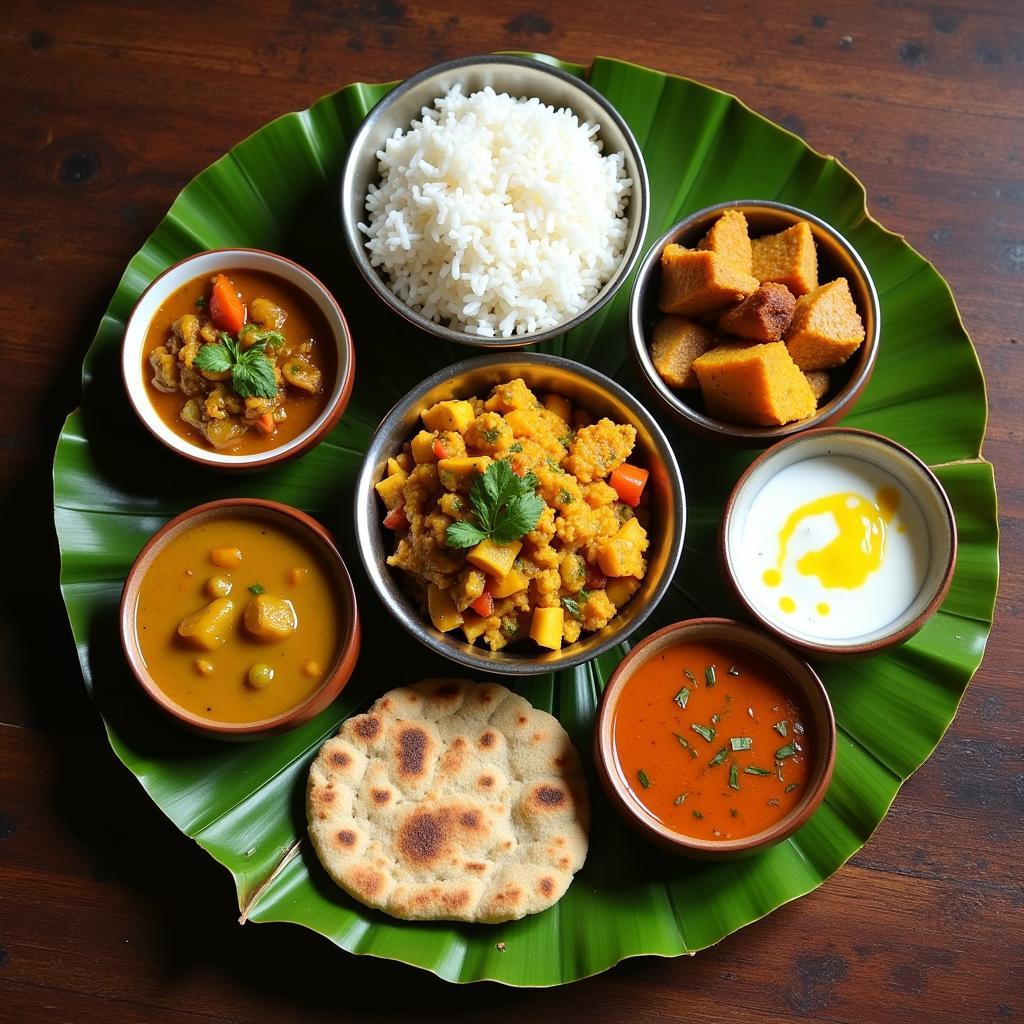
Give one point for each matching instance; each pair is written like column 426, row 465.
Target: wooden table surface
column 106, row 111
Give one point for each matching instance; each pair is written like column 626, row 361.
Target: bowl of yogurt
column 840, row 542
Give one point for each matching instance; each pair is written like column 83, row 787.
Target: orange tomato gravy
column 685, row 783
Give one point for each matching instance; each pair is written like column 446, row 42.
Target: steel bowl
column 586, row 388
column 836, row 257
column 519, row 77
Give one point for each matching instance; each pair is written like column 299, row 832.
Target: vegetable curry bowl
column 239, row 618
column 520, row 513
column 238, row 358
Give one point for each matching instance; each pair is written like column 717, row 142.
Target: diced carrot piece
column 629, row 482
column 484, row 604
column 396, row 519
column 226, row 308
column 265, row 424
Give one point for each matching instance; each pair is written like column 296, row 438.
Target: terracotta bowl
column 586, row 388
column 803, row 678
column 279, row 515
column 836, row 257
column 206, row 264
column 900, row 463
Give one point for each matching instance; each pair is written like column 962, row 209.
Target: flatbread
column 450, row 800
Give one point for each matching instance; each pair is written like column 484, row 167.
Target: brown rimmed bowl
column 804, row 679
column 282, row 516
column 836, row 258
column 206, row 264
column 900, row 463
column 584, row 387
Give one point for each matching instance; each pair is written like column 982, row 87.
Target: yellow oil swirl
column 855, row 553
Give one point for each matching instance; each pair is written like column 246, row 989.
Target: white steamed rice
column 496, row 215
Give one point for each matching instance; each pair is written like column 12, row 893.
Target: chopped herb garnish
column 572, row 606
column 564, row 497
column 567, row 440
column 201, row 302
column 754, row 770
column 781, row 728
column 256, row 588
column 697, row 814
column 689, row 675
column 734, row 776
column 252, row 373
column 683, row 742
column 715, row 719
column 642, row 776
column 719, row 757
column 517, row 447
column 709, row 675
column 506, row 506
column 773, row 802
column 275, row 339
column 787, row 751
column 704, row 732
column 680, row 799
column 682, row 697
column 553, row 464
column 491, row 435
column 733, row 670
column 792, row 786
column 741, row 742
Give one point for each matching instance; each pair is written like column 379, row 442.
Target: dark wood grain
column 106, row 111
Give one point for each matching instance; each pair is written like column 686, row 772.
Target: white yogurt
column 832, row 548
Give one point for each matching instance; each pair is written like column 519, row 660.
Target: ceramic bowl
column 836, row 257
column 282, row 516
column 587, row 389
column 908, row 470
column 801, row 675
column 204, row 265
column 519, row 77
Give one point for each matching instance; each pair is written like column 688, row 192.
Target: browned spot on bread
column 536, row 737
column 346, row 837
column 326, row 796
column 341, row 759
column 422, row 835
column 368, row 727
column 564, row 862
column 366, row 881
column 483, row 697
column 486, row 781
column 487, row 739
column 511, row 895
column 549, row 796
column 412, row 749
column 559, row 840
column 470, row 819
column 448, row 690
column 522, row 719
column 459, row 742
column 475, row 865
column 558, row 761
column 546, row 886
column 380, row 796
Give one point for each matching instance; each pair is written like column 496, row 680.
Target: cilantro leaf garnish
column 506, row 507
column 252, row 373
column 275, row 339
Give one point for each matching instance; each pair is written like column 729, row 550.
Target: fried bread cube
column 754, row 384
column 788, row 258
column 820, row 383
column 728, row 238
column 676, row 342
column 697, row 280
column 763, row 315
column 826, row 328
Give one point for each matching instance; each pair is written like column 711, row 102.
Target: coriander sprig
column 252, row 373
column 505, row 506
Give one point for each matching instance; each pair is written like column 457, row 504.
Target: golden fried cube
column 676, row 342
column 820, row 383
column 826, row 328
column 763, row 315
column 788, row 258
column 728, row 237
column 697, row 280
column 754, row 384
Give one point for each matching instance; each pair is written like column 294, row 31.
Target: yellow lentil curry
column 517, row 517
column 241, row 362
column 237, row 620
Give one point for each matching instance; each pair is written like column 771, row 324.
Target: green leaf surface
column 243, row 803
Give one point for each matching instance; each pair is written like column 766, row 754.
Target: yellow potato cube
column 453, row 505
column 205, row 628
column 546, row 627
column 620, row 589
column 443, row 613
column 423, row 448
column 459, row 473
column 226, row 558
column 395, row 467
column 622, row 554
column 449, row 416
column 270, row 618
column 494, row 557
column 474, row 626
column 559, row 405
column 509, row 584
column 390, row 489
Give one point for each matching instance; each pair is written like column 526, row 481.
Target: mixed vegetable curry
column 242, row 362
column 238, row 620
column 518, row 517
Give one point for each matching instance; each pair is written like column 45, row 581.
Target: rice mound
column 497, row 215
